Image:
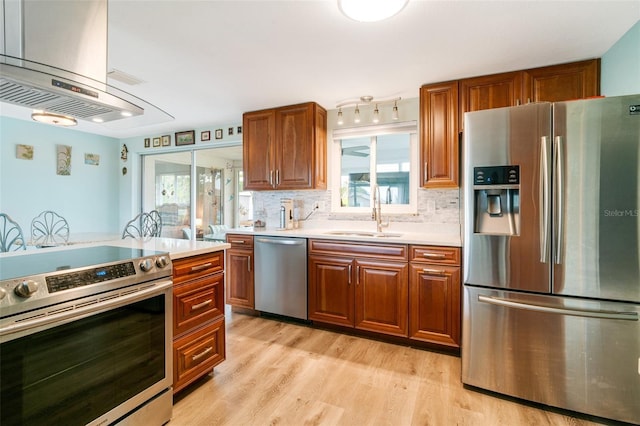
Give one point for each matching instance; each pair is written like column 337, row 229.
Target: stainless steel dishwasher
column 281, row 276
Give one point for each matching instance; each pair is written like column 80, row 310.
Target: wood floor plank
column 284, row 373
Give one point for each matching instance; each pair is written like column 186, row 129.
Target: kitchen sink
column 363, row 234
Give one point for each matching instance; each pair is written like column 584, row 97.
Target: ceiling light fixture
column 371, row 10
column 55, row 119
column 363, row 101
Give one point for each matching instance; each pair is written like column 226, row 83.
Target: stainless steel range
column 84, row 337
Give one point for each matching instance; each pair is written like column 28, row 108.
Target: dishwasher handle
column 292, row 242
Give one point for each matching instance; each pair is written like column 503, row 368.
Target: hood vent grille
column 27, row 96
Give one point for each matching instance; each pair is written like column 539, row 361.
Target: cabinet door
column 439, row 135
column 434, row 304
column 490, row 91
column 331, row 290
column 577, row 80
column 239, row 278
column 381, row 297
column 258, row 133
column 294, row 150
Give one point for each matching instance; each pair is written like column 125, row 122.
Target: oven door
column 93, row 360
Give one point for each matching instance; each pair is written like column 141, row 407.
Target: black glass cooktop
column 44, row 262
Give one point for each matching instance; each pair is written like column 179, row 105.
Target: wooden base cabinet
column 359, row 285
column 435, row 295
column 198, row 317
column 239, row 280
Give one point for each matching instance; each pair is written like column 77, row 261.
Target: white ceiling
column 207, row 62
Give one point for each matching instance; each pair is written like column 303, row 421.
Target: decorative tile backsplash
column 434, row 207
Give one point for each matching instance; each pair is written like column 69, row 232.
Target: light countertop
column 436, row 237
column 176, row 248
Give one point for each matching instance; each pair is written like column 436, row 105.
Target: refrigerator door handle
column 543, row 196
column 558, row 174
column 629, row 316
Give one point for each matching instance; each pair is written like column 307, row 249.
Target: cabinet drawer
column 197, row 302
column 350, row 248
column 197, row 266
column 195, row 354
column 431, row 254
column 240, row 240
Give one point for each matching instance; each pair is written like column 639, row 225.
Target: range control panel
column 496, row 175
column 89, row 276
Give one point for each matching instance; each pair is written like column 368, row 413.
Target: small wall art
column 92, row 159
column 147, row 142
column 230, row 131
column 156, row 142
column 166, row 140
column 205, row 136
column 63, row 160
column 218, row 133
column 239, row 130
column 24, row 152
column 185, row 138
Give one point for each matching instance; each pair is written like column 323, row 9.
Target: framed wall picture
column 239, row 130
column 205, row 136
column 230, row 131
column 166, row 140
column 147, row 142
column 185, row 138
column 156, row 141
column 218, row 133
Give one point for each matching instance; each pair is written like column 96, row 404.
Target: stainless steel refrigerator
column 551, row 201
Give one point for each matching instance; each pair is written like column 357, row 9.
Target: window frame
column 410, row 127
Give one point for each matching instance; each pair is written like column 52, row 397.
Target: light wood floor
column 279, row 373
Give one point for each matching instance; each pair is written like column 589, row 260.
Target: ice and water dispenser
column 497, row 200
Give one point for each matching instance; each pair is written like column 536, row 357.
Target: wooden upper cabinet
column 490, row 91
column 565, row 82
column 286, row 148
column 439, row 135
column 258, row 129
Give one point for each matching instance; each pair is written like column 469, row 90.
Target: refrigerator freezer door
column 575, row 354
column 520, row 257
column 597, row 198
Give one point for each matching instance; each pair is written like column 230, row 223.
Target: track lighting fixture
column 364, row 101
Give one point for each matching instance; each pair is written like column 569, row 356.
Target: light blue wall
column 88, row 198
column 620, row 65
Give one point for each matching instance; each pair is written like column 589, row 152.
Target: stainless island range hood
column 54, row 58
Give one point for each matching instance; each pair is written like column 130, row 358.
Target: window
column 195, row 191
column 383, row 155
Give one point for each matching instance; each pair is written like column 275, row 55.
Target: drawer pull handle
column 434, row 255
column 201, row 354
column 201, row 267
column 236, row 241
column 434, row 271
column 201, row 305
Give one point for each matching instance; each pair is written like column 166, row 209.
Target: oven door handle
column 127, row 297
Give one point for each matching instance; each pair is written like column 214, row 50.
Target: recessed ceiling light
column 55, row 119
column 371, row 10
column 125, row 114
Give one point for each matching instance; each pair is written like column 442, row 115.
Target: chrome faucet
column 377, row 210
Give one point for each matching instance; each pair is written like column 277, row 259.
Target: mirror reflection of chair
column 49, row 229
column 11, row 237
column 143, row 225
